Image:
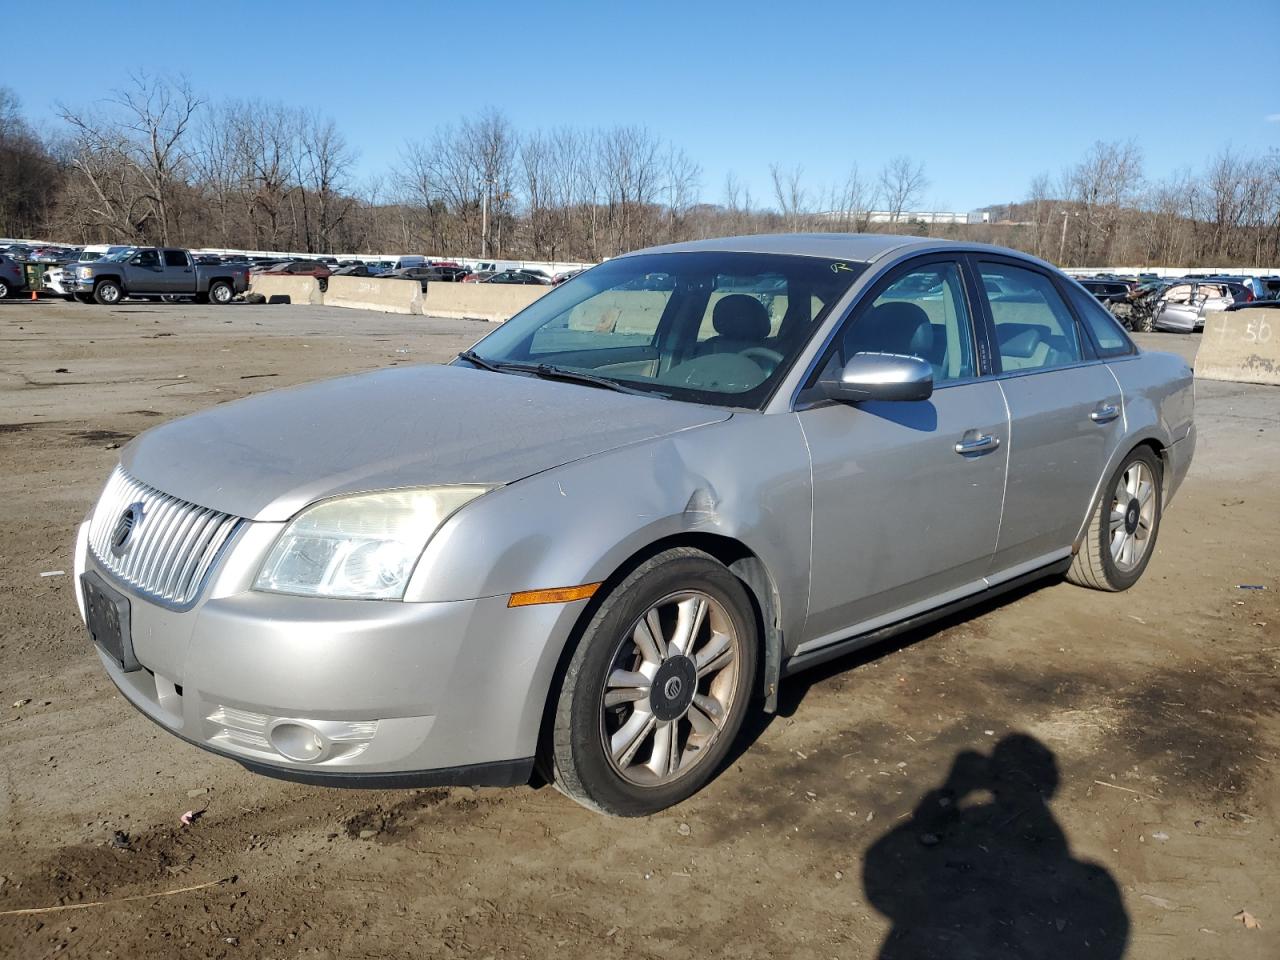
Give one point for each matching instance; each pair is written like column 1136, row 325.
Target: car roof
column 861, row 247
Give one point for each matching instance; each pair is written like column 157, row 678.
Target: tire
column 1145, row 322
column 4, row 290
column 680, row 701
column 1103, row 561
column 220, row 293
column 83, row 297
column 108, row 293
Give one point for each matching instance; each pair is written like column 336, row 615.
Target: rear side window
column 1034, row 329
column 1110, row 339
column 175, row 258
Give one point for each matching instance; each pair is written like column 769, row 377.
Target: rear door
column 179, row 275
column 906, row 495
column 1065, row 411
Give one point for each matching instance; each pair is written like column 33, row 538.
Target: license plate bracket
column 107, row 617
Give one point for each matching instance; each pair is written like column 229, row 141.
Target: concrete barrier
column 370, row 293
column 297, row 289
column 496, row 302
column 1242, row 346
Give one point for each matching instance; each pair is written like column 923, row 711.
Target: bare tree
column 789, row 191
column 901, row 184
column 144, row 128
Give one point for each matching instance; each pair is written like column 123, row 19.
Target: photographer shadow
column 983, row 870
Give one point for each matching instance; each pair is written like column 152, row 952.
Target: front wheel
column 107, row 293
column 1122, row 531
column 4, row 289
column 657, row 688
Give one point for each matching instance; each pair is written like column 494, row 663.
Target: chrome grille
column 172, row 547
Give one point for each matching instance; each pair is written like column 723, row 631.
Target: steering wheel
column 773, row 356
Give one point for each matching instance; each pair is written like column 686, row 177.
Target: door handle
column 974, row 442
column 1104, row 413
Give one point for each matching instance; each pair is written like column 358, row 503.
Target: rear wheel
column 107, row 293
column 220, row 292
column 657, row 688
column 1122, row 532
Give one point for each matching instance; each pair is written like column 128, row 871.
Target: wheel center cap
column 1131, row 517
column 673, row 688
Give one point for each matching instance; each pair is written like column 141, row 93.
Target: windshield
column 120, row 255
column 719, row 328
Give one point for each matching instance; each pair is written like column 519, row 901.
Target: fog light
column 297, row 742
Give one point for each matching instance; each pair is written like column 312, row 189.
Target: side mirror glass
column 880, row 376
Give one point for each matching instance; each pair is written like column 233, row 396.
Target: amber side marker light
column 528, row 598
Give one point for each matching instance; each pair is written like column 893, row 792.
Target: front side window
column 147, row 258
column 923, row 313
column 710, row 327
column 1033, row 327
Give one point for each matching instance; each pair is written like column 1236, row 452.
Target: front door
column 906, row 495
column 144, row 273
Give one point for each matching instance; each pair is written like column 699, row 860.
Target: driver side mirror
column 880, row 376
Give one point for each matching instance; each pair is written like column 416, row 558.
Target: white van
column 404, row 262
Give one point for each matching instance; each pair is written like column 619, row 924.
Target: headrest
column 1021, row 344
column 894, row 327
column 741, row 317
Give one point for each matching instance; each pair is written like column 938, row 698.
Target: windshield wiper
column 472, row 357
column 548, row 372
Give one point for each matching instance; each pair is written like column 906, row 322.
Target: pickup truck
column 156, row 272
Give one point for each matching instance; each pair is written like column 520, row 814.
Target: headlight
column 85, row 272
column 363, row 546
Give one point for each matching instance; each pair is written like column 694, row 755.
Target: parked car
column 301, row 268
column 352, row 270
column 12, row 278
column 447, row 273
column 156, row 272
column 567, row 549
column 57, row 280
column 516, row 276
column 1182, row 305
column 560, row 278
column 1107, row 290
column 1253, row 305
column 476, row 276
column 421, row 275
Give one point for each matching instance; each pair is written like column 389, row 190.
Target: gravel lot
column 1159, row 709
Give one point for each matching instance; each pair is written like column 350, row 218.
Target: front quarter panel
column 747, row 478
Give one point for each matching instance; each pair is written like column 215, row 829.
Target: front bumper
column 383, row 693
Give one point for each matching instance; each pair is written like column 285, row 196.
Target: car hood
column 266, row 457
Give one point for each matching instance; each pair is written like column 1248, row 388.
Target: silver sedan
column 595, row 540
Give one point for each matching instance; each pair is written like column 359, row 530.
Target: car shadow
column 982, row 870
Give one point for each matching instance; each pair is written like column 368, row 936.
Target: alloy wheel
column 1133, row 516
column 671, row 685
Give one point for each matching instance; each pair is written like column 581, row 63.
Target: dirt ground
column 880, row 803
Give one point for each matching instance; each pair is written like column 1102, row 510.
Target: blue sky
column 985, row 94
